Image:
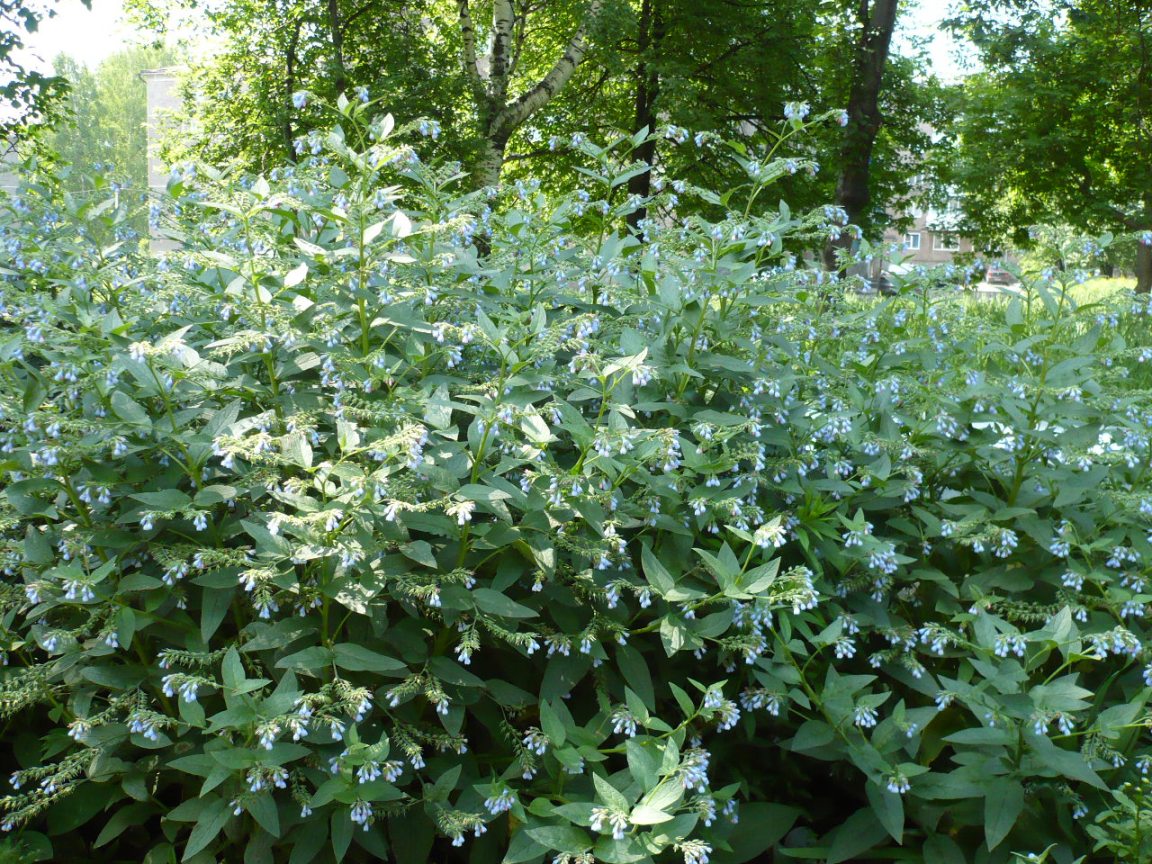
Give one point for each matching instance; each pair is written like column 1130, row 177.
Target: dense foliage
column 29, row 97
column 325, row 538
column 1055, row 125
column 108, row 114
column 725, row 68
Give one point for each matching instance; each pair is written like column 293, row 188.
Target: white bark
column 559, row 75
column 468, row 37
column 503, row 20
column 491, row 161
column 490, row 80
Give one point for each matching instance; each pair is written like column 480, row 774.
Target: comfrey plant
column 327, row 538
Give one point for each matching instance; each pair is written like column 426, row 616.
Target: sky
column 91, row 35
column 87, row 35
column 923, row 21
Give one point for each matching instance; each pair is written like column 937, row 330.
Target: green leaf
column 761, row 827
column 551, row 724
column 311, row 660
column 347, row 436
column 84, row 803
column 232, row 669
column 676, row 635
column 495, row 603
column 210, row 823
column 656, row 574
column 264, row 811
column 811, row 735
column 168, row 499
column 522, row 849
column 642, row 814
column 665, row 796
column 297, row 450
column 307, row 840
column 124, row 818
column 479, row 492
column 214, row 606
column 609, row 794
column 296, row 275
column 683, row 700
column 644, row 756
column 1047, row 757
column 452, row 672
column 725, row 566
column 340, row 828
column 1003, row 803
column 561, row 838
column 942, row 849
column 889, row 810
column 129, row 411
column 421, row 552
column 982, row 736
column 625, row 851
column 356, row 658
column 634, row 671
column 859, row 833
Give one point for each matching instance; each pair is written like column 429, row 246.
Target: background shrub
column 327, row 538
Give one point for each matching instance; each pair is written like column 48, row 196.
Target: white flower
column 462, row 510
column 864, row 717
column 897, row 783
column 500, row 802
column 796, row 110
column 361, row 813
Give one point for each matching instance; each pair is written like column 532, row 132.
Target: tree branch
column 518, row 42
column 503, row 22
column 540, row 95
column 470, row 63
column 468, row 39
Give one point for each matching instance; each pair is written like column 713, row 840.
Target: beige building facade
column 163, row 103
column 926, row 244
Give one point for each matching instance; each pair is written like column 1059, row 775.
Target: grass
column 1101, row 287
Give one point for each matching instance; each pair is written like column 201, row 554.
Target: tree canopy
column 29, row 97
column 510, row 85
column 1058, row 124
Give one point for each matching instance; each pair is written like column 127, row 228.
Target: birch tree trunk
column 491, row 77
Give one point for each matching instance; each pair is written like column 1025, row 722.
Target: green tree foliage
column 107, row 110
column 29, row 98
column 478, row 71
column 241, row 101
column 722, row 68
column 1059, row 122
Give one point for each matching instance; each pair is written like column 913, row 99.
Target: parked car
column 999, row 276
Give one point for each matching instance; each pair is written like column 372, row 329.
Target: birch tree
column 491, row 72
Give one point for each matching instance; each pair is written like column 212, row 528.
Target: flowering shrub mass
column 326, row 538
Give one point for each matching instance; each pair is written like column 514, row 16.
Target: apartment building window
column 945, row 243
column 912, row 241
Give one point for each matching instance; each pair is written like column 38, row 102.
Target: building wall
column 9, row 181
column 163, row 104
column 927, row 254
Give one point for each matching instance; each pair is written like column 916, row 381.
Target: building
column 164, row 103
column 927, row 243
